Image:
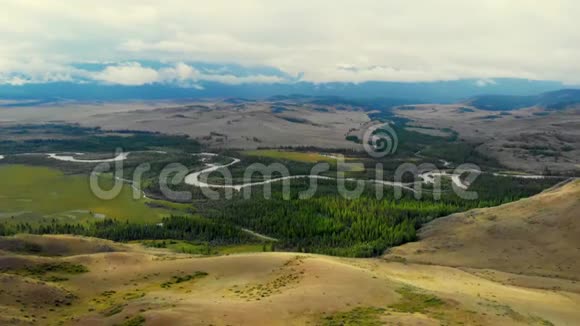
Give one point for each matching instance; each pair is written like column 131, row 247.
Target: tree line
column 190, row 228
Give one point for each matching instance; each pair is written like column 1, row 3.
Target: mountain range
column 256, row 83
column 555, row 100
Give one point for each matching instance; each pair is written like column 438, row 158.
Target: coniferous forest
column 326, row 223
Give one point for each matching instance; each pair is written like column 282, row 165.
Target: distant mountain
column 555, row 100
column 560, row 99
column 407, row 92
column 367, row 103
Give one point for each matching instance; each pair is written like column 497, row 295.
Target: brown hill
column 509, row 265
column 537, row 236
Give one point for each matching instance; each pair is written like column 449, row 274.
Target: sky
column 305, row 40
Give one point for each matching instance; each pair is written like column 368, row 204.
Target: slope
column 537, row 236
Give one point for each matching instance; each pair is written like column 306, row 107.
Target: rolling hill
column 555, row 100
column 510, row 265
column 536, row 236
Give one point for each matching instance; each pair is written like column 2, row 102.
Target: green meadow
column 31, row 194
column 181, row 246
column 304, row 157
column 307, row 157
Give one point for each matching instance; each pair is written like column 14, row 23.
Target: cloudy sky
column 318, row 41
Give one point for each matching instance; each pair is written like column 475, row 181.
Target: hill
column 537, row 236
column 555, row 100
column 510, row 265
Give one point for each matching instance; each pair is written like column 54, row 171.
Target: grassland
column 302, row 157
column 534, row 236
column 359, row 316
column 512, row 140
column 193, row 248
column 306, row 157
column 38, row 193
column 139, row 285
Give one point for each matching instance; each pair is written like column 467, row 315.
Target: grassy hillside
column 535, row 236
column 141, row 286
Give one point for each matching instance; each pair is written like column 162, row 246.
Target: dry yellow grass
column 57, row 245
column 537, row 236
column 425, row 283
column 291, row 289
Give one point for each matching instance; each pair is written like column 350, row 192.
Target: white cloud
column 485, row 82
column 127, row 74
column 13, row 80
column 236, row 80
column 414, row 40
column 133, row 73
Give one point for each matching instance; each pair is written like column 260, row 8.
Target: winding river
column 193, row 178
column 427, row 177
column 120, row 157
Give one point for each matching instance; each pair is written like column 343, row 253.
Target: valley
column 319, row 233
column 301, row 163
column 133, row 284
